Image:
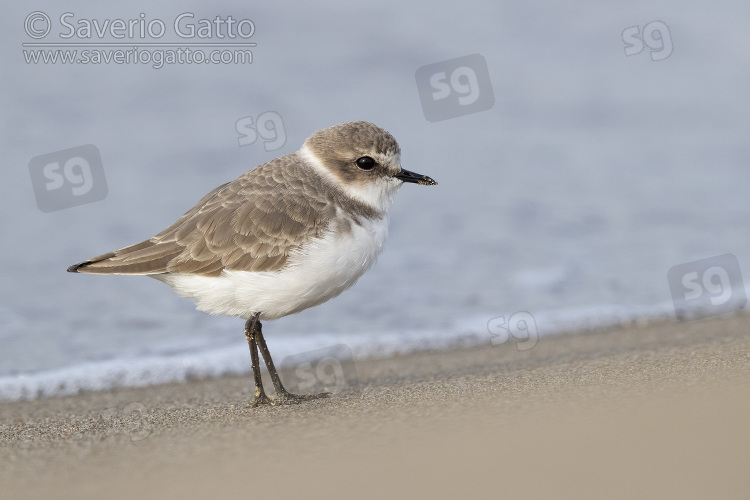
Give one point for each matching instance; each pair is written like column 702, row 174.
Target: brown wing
column 249, row 224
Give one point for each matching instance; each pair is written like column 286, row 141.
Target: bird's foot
column 261, row 398
column 287, row 398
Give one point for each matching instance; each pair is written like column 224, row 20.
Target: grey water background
column 591, row 175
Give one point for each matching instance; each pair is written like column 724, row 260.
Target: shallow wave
column 202, row 362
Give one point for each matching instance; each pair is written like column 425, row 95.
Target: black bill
column 407, row 176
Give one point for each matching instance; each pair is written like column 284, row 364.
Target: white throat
column 378, row 195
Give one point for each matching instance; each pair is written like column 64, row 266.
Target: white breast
column 317, row 273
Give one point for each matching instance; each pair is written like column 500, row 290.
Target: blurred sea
column 570, row 198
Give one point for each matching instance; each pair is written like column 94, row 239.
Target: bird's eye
column 366, row 163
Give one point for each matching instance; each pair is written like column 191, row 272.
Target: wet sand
column 643, row 411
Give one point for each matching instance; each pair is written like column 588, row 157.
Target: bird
column 287, row 235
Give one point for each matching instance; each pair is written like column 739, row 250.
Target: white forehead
column 388, row 158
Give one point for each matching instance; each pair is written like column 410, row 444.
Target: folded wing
column 243, row 225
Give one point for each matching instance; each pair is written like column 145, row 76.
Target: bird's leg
column 252, row 328
column 282, row 395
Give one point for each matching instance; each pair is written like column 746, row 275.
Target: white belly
column 320, row 272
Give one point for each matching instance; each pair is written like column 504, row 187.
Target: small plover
column 287, row 235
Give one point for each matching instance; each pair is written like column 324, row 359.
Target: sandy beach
column 644, row 411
